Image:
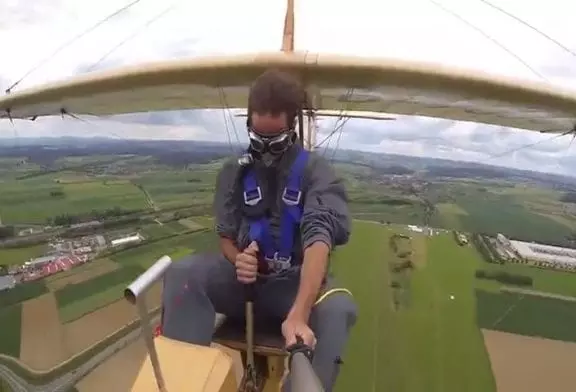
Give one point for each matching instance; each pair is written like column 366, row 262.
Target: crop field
column 20, row 255
column 11, row 323
column 557, row 282
column 516, row 313
column 42, row 338
column 528, row 364
column 80, row 274
column 19, row 205
column 75, row 300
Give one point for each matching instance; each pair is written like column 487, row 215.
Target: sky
column 410, row 29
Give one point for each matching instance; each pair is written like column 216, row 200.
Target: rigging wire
column 227, row 111
column 530, row 26
column 336, row 129
column 340, row 117
column 530, row 145
column 69, row 42
column 489, row 37
column 228, row 117
column 335, row 150
column 138, row 31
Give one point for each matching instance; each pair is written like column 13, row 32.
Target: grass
column 22, row 292
column 527, row 315
column 9, row 256
column 86, row 305
column 450, row 214
column 29, row 201
column 79, row 291
column 435, row 343
column 506, row 215
column 407, row 214
column 10, row 326
column 557, row 282
column 367, row 282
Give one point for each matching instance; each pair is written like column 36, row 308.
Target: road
column 68, row 380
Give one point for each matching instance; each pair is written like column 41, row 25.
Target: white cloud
column 411, row 29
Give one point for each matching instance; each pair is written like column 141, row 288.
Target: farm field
column 46, row 322
column 20, row 255
column 51, row 197
column 522, row 363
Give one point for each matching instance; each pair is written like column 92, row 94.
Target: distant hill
column 46, row 149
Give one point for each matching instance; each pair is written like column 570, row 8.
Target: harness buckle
column 253, row 196
column 291, row 197
column 278, row 263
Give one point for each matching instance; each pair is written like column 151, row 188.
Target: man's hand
column 294, row 326
column 247, row 264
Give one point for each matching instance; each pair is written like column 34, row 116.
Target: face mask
column 269, row 159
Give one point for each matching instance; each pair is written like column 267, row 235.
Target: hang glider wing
column 334, row 82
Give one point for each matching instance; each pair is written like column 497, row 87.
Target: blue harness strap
column 292, row 195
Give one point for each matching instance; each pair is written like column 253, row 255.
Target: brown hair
column 276, row 92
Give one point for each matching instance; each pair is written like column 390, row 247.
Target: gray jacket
column 325, row 216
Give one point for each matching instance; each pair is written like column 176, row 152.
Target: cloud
column 415, row 29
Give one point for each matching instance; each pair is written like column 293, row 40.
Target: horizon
column 239, row 143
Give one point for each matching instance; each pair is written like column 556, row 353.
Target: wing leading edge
column 334, row 82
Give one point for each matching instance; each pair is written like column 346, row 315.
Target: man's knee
column 337, row 306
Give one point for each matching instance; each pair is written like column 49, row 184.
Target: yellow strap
column 330, row 292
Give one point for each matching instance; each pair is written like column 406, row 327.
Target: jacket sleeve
column 226, row 208
column 325, row 216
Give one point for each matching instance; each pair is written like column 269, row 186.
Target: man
column 278, row 218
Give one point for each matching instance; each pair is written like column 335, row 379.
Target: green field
column 19, row 204
column 21, row 255
column 75, row 300
column 10, row 322
column 22, row 292
column 527, row 315
column 434, row 344
column 557, row 282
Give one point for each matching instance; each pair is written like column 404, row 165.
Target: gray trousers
column 198, row 286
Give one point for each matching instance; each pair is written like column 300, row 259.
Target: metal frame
column 136, row 295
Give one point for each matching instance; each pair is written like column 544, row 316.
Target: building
column 7, row 282
column 40, row 261
column 126, row 240
column 541, row 253
column 100, row 241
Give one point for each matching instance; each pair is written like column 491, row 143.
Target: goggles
column 276, row 144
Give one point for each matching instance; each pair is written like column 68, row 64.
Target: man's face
column 268, row 124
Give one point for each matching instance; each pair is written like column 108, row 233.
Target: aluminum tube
column 141, row 285
column 302, row 375
column 149, row 340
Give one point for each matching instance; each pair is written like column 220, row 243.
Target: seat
column 268, row 339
